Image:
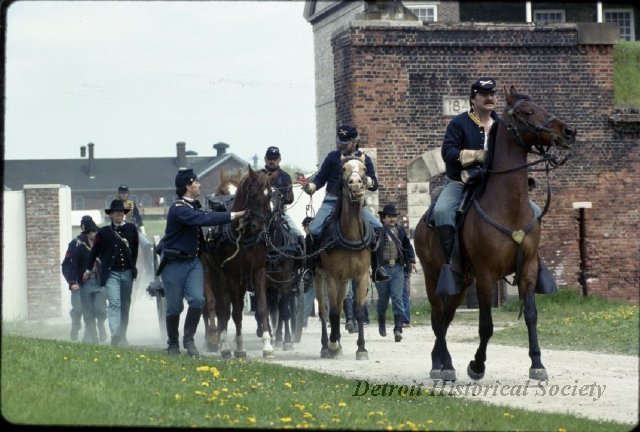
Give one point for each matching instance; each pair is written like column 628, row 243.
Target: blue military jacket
column 183, row 226
column 463, row 133
column 331, row 172
column 281, row 180
column 76, row 259
column 109, row 247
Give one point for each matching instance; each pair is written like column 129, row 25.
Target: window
column 146, row 200
column 424, row 11
column 548, row 16
column 624, row 17
column 78, row 202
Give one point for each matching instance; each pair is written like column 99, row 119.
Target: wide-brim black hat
column 90, row 225
column 116, row 205
column 389, row 210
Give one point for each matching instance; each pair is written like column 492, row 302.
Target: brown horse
column 238, row 259
column 500, row 235
column 222, row 196
column 348, row 260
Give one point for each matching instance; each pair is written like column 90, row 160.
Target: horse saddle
column 220, row 203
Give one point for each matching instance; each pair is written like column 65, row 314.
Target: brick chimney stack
column 92, row 173
column 181, row 149
column 83, row 151
column 221, row 148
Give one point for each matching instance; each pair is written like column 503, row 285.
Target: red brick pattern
column 390, row 82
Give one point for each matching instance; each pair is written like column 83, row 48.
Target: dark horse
column 221, row 200
column 238, row 260
column 500, row 235
column 283, row 271
column 348, row 260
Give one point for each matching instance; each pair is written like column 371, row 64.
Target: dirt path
column 592, row 385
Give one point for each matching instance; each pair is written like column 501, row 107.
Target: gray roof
column 138, row 173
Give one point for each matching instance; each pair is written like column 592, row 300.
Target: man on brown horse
column 330, row 173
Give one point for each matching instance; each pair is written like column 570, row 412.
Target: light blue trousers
column 183, row 279
column 449, row 200
column 318, row 224
column 393, row 288
column 118, row 288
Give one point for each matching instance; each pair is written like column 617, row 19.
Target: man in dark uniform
column 281, row 181
column 330, row 173
column 180, row 267
column 116, row 245
column 68, row 266
column 123, row 195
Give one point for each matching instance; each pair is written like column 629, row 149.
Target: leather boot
column 448, row 283
column 397, row 327
column 545, row 283
column 312, row 244
column 190, row 325
column 173, row 342
column 382, row 325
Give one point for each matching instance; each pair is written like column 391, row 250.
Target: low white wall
column 14, row 257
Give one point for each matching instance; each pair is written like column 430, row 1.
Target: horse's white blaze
column 233, row 189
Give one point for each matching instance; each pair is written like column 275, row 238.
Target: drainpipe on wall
column 582, row 244
column 92, row 173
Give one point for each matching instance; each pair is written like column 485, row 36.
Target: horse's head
column 254, row 194
column 228, row 184
column 534, row 125
column 353, row 176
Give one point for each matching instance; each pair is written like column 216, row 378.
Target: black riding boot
column 312, row 244
column 397, row 327
column 447, row 282
column 173, row 342
column 545, row 283
column 190, row 325
column 382, row 325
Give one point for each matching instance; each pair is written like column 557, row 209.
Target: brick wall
column 390, row 82
column 43, row 251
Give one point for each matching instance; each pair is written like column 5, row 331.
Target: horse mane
column 241, row 200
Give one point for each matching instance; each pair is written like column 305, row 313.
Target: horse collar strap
column 516, row 235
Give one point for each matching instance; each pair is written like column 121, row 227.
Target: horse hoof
column 474, row 375
column 268, row 354
column 448, row 374
column 324, row 353
column 362, row 355
column 287, row 346
column 240, row 354
column 538, row 374
column 435, row 374
column 226, row 354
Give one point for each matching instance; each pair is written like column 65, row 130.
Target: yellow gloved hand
column 469, row 157
column 368, row 182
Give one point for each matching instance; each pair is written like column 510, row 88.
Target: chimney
column 221, row 148
column 182, row 154
column 83, row 151
column 92, row 173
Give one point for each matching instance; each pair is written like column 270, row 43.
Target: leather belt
column 390, row 263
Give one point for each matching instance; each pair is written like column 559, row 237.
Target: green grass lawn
column 49, row 382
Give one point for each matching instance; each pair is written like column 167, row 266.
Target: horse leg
column 537, row 370
column 223, row 312
column 442, row 313
column 259, row 283
column 476, row 367
column 236, row 315
column 335, row 311
column 285, row 319
column 321, row 296
column 360, row 293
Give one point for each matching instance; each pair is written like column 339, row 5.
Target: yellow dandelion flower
column 65, row 358
column 215, row 372
column 184, row 379
column 561, row 429
column 142, row 356
column 307, row 414
column 202, row 368
column 288, row 384
column 342, row 404
column 285, row 419
column 251, row 419
column 325, row 406
column 204, row 383
column 117, row 355
column 177, row 396
column 199, row 393
column 299, row 406
column 95, row 359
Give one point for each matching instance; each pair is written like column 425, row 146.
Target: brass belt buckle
column 392, row 262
